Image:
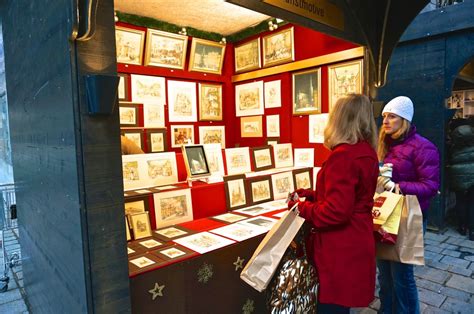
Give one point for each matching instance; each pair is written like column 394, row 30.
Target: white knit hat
column 401, row 106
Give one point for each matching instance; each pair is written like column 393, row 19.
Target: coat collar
column 390, row 141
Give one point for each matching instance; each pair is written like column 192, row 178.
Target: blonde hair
column 351, row 120
column 399, row 134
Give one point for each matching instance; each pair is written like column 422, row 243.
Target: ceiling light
column 183, row 31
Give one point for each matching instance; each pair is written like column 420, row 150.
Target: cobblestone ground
column 445, row 283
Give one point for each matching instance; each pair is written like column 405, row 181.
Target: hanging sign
column 321, row 11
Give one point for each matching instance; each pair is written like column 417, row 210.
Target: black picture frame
column 195, row 160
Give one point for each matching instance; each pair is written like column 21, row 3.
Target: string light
column 183, row 31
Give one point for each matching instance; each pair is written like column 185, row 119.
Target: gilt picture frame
column 247, row 56
column 344, row 78
column 307, row 92
column 278, row 47
column 165, row 49
column 129, row 45
column 206, row 56
column 251, row 126
column 140, row 225
column 210, row 102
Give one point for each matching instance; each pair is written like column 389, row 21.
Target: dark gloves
column 308, row 194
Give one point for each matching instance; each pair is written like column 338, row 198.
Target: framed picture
column 195, row 160
column 283, row 155
column 129, row 43
column 156, row 140
column 304, row 157
column 307, row 92
column 210, row 102
column 214, row 159
column 262, row 158
column 127, row 231
column 166, row 50
column 282, row 184
column 303, row 178
column 181, row 135
column 140, row 225
column 317, row 124
column 344, row 78
column 259, row 189
column 153, row 115
column 247, row 56
column 457, row 100
column 136, row 136
column 136, row 205
column 204, row 242
column 235, row 192
column 249, row 99
column 182, row 101
column 273, row 125
column 206, row 56
column 122, row 92
column 251, row 126
column 212, row 135
column 128, row 113
column 148, row 89
column 237, row 160
column 272, row 94
column 173, row 207
column 278, row 48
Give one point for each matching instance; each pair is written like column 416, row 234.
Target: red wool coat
column 342, row 246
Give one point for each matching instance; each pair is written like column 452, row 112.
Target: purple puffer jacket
column 415, row 166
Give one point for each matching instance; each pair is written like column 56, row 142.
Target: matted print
column 214, row 159
column 181, row 135
column 210, row 102
column 254, row 210
column 238, row 160
column 262, row 158
column 166, row 50
column 206, row 56
column 282, row 184
column 304, row 157
column 142, row 262
column 272, row 94
column 283, row 155
column 129, row 44
column 344, row 78
column 273, row 125
column 195, row 160
column 140, row 225
column 239, row 232
column 153, row 116
column 307, row 92
column 136, row 136
column 148, row 89
column 122, row 91
column 303, row 178
column 128, row 114
column 260, row 189
column 204, row 242
column 156, row 140
column 212, row 135
column 229, row 217
column 247, row 56
column 235, row 192
column 136, row 205
column 172, row 252
column 171, row 232
column 173, row 207
column 317, row 124
column 278, row 47
column 182, row 103
column 150, row 243
column 261, row 222
column 251, row 126
column 249, row 99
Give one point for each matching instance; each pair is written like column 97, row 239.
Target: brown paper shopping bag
column 262, row 265
column 409, row 247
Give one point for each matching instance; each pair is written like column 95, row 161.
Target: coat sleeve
column 426, row 162
column 336, row 206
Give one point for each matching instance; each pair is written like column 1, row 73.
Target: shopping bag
column 262, row 265
column 386, row 214
column 409, row 248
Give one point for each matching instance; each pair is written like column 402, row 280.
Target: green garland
column 193, row 32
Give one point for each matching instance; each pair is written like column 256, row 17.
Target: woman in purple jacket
column 415, row 172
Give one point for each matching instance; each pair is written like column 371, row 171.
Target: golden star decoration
column 157, row 291
column 239, row 263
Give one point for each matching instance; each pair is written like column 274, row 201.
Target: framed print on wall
column 153, row 115
column 251, row 126
column 262, row 158
column 283, row 155
column 173, row 207
column 259, row 190
column 182, row 134
column 304, row 157
column 165, row 49
column 182, row 103
column 344, row 78
column 278, row 48
column 247, row 56
column 136, row 136
column 249, row 99
column 317, row 124
column 122, row 92
column 128, row 114
column 237, row 160
column 210, row 102
column 303, row 178
column 195, row 160
column 273, row 125
column 307, row 92
column 206, row 56
column 212, row 135
column 272, row 94
column 156, row 140
column 282, row 184
column 140, row 225
column 129, row 43
column 235, row 192
column 148, row 89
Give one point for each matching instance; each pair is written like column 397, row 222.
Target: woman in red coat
column 340, row 210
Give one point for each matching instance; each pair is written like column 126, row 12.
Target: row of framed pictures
column 167, row 50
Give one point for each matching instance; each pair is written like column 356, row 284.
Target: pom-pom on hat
column 401, row 106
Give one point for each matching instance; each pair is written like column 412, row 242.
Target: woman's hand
column 306, row 193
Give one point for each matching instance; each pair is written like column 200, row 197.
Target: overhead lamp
column 116, row 17
column 183, row 31
column 272, row 26
column 223, row 41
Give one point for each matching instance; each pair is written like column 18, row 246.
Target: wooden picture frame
column 249, row 99
column 235, row 192
column 237, row 160
column 136, row 136
column 212, row 135
column 129, row 114
column 129, row 45
column 140, row 225
column 283, row 155
column 247, row 56
column 156, row 140
column 181, row 135
column 122, row 89
column 165, row 49
column 344, row 78
column 210, row 102
column 303, row 178
column 173, row 207
column 278, row 47
column 195, row 160
column 259, row 190
column 262, row 158
column 251, row 126
column 136, row 205
column 206, row 56
column 307, row 92
column 182, row 101
column 282, row 184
